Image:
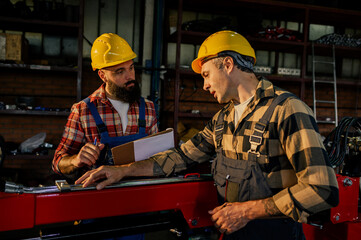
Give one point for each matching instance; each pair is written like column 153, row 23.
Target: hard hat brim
column 196, row 65
column 114, row 63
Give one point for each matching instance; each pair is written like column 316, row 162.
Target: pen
column 95, row 143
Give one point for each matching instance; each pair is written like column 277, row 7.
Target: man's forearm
column 263, row 208
column 65, row 166
column 233, row 216
column 112, row 174
column 146, row 167
column 270, row 207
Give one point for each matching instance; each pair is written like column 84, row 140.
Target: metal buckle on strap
column 260, row 127
column 254, row 144
column 257, row 140
column 254, row 152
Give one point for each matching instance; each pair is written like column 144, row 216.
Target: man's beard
column 123, row 94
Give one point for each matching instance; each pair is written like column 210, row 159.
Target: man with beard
column 112, row 115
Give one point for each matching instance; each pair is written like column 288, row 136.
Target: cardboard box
column 13, row 47
column 143, row 148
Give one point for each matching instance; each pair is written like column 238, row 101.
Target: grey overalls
column 243, row 180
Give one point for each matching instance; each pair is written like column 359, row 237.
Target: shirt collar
column 264, row 89
column 99, row 94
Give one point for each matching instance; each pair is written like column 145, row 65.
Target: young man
column 271, row 169
column 112, row 115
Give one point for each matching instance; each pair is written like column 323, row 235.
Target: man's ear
column 228, row 64
column 101, row 74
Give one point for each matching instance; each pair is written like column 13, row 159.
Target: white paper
column 147, row 147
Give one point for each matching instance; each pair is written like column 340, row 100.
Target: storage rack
column 275, row 10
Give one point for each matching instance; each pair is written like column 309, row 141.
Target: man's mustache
column 130, row 82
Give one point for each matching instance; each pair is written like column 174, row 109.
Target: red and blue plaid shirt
column 81, row 127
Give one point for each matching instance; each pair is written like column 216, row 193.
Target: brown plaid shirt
column 296, row 165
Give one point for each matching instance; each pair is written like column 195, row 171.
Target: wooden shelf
column 74, row 69
column 34, row 25
column 28, row 157
column 38, row 67
column 196, row 38
column 277, row 10
column 340, row 51
column 192, row 115
column 334, row 16
column 189, row 37
column 195, row 115
column 33, row 112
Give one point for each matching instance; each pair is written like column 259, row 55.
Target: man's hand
column 87, row 155
column 111, row 174
column 231, row 217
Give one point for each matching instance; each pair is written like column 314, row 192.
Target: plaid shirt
column 296, row 165
column 81, row 127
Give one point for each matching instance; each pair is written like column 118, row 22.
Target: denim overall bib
column 106, row 157
column 240, row 180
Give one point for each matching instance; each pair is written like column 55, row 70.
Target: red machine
column 37, row 211
column 142, row 205
column 344, row 221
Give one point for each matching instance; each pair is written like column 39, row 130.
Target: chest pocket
column 239, row 180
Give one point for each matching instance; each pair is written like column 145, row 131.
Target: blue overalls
column 106, row 157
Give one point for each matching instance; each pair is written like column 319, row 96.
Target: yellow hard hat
column 109, row 49
column 219, row 42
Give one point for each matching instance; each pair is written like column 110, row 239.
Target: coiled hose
column 336, row 141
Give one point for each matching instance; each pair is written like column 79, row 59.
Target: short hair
column 219, row 62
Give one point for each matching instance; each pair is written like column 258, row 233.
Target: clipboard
column 143, row 148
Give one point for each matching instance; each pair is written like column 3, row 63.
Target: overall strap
column 98, row 121
column 141, row 120
column 260, row 127
column 218, row 131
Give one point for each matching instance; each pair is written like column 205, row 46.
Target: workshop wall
column 28, row 169
column 193, row 100
column 57, row 92
column 133, row 21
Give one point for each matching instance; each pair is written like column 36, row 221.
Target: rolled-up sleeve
column 198, row 149
column 72, row 139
